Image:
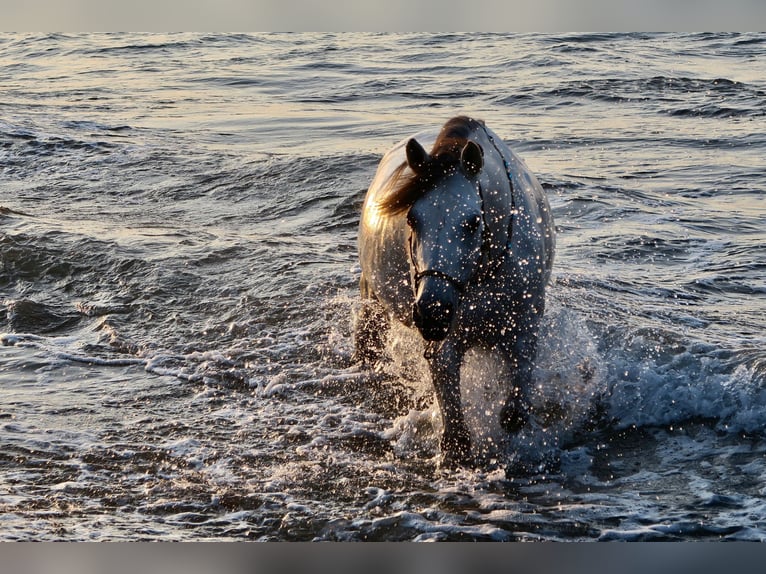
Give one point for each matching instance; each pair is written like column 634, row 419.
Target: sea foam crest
column 687, row 384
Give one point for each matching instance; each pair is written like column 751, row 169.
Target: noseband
column 456, row 283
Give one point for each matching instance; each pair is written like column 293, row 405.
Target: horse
column 458, row 244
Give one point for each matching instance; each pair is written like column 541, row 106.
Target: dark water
column 178, row 221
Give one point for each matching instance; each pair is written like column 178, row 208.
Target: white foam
column 417, row 432
column 661, row 391
column 485, row 385
column 567, row 379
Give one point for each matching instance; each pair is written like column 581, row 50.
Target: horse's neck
column 497, row 197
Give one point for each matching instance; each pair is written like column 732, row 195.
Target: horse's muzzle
column 433, row 313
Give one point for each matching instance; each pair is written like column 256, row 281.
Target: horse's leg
column 515, row 412
column 370, row 328
column 445, row 361
column 522, row 350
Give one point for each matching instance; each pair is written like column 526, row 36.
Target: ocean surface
column 178, row 283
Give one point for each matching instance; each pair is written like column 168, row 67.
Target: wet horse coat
column 457, row 243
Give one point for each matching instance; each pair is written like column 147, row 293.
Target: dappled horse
column 457, row 243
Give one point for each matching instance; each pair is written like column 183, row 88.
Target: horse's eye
column 412, row 219
column 471, row 225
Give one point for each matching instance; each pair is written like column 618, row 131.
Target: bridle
column 460, row 286
column 419, row 275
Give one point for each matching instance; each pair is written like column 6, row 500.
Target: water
column 178, row 221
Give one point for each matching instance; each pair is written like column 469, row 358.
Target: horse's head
column 446, row 228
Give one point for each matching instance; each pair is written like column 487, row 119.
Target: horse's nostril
column 432, row 312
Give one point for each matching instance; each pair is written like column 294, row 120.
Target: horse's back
column 533, row 233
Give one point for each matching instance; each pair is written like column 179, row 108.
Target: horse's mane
column 408, row 186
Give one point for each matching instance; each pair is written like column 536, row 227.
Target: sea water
column 178, row 279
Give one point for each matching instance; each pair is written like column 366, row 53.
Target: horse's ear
column 417, row 157
column 472, row 158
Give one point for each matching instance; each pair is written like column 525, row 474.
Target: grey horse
column 457, row 243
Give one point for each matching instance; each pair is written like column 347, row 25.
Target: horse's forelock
column 444, row 158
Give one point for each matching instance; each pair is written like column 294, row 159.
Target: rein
column 510, row 184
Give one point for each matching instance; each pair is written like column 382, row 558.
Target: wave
column 717, row 112
column 716, row 98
